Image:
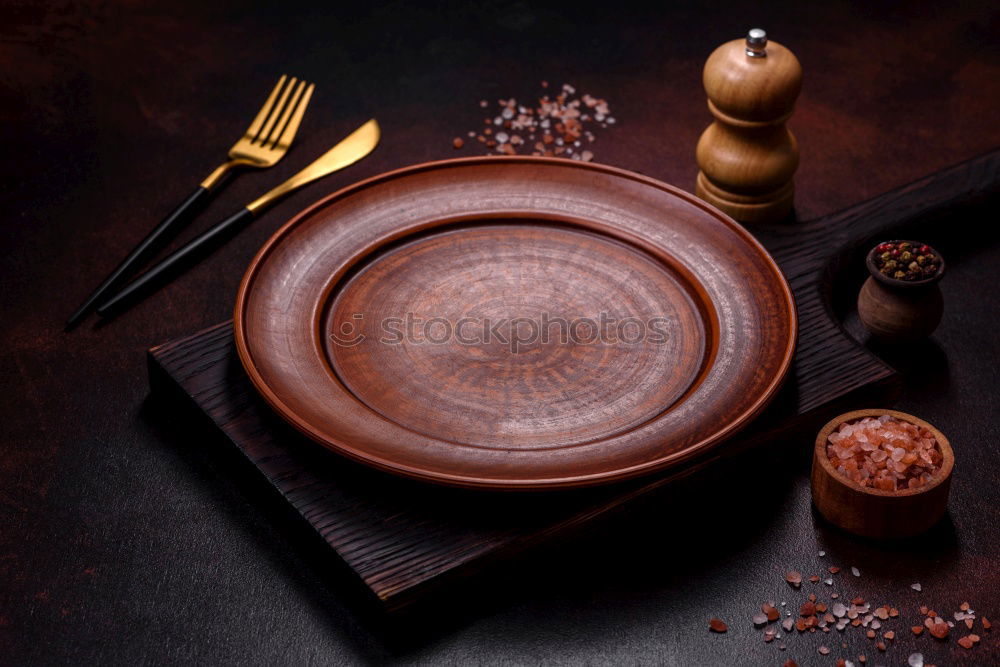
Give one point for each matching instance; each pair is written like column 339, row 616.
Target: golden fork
column 263, row 144
column 267, row 139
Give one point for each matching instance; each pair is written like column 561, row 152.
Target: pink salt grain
column 884, row 453
column 717, row 625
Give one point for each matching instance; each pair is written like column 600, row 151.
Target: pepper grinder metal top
column 747, row 156
column 757, row 43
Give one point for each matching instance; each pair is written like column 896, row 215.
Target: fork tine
column 269, row 125
column 292, row 126
column 265, row 110
column 271, row 139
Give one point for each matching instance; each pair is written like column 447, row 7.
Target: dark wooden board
column 403, row 538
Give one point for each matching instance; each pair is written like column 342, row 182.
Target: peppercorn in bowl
column 905, row 263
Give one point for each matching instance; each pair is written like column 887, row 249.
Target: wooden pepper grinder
column 747, row 156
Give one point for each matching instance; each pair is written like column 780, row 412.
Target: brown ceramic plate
column 515, row 323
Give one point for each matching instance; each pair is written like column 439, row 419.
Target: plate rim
column 466, row 481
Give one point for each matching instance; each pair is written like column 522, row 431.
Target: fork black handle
column 184, row 257
column 155, row 240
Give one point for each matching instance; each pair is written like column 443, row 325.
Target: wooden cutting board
column 403, row 538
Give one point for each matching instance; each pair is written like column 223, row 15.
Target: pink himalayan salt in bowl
column 884, row 453
column 865, row 509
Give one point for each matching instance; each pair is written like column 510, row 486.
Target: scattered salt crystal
column 717, row 625
column 917, row 588
column 828, row 582
column 915, row 660
column 822, row 553
column 502, row 137
column 856, row 572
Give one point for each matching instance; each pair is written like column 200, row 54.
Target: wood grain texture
column 747, row 156
column 872, row 512
column 348, row 323
column 404, row 538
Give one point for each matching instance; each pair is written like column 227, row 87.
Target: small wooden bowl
column 900, row 311
column 873, row 512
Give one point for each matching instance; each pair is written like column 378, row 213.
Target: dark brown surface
column 128, row 534
column 495, row 241
column 379, row 525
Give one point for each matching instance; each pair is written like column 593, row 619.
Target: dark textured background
column 129, row 533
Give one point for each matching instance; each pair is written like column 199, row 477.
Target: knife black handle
column 184, row 257
column 155, row 240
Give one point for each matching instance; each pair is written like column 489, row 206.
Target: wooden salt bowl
column 872, row 512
